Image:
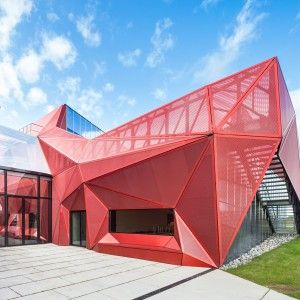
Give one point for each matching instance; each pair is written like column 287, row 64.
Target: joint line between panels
column 124, row 194
column 244, row 96
column 193, row 172
column 172, row 285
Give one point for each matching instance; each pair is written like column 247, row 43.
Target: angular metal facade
column 203, row 155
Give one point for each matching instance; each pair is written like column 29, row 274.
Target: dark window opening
column 142, row 221
column 32, row 220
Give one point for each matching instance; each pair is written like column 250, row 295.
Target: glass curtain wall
column 25, row 208
column 77, row 124
column 255, row 229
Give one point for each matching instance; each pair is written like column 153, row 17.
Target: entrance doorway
column 78, row 228
column 22, row 217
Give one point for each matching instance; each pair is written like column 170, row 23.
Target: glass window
column 15, row 217
column 2, row 189
column 2, row 221
column 45, row 186
column 30, row 215
column 142, row 221
column 21, row 184
column 77, row 124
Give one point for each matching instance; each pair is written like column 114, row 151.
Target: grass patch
column 278, row 269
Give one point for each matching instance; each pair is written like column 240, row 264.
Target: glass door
column 15, row 221
column 78, row 228
column 22, row 221
column 30, row 221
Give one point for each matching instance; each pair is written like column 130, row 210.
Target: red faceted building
column 186, row 183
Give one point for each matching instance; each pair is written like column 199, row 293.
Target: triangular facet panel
column 96, row 213
column 158, row 179
column 190, row 245
column 72, row 145
column 241, row 163
column 226, row 93
column 57, row 161
column 116, row 200
column 289, row 155
column 97, row 168
column 286, row 106
column 188, row 114
column 200, row 213
column 257, row 113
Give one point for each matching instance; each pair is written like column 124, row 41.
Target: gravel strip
column 270, row 243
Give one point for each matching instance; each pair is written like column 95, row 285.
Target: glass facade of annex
column 25, row 208
column 77, row 124
column 255, row 228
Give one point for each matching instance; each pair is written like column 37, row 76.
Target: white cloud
column 206, row 3
column 87, row 102
column 36, row 96
column 216, row 63
column 99, row 68
column 70, row 86
column 71, row 17
column 108, row 87
column 85, row 28
column 11, row 14
column 128, row 59
column 129, row 25
column 52, row 17
column 49, row 108
column 29, row 66
column 10, row 87
column 10, row 117
column 126, row 100
column 160, row 94
column 59, row 50
column 161, row 41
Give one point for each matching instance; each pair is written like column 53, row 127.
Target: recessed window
column 142, row 221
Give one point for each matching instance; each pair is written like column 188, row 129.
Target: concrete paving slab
column 7, row 293
column 272, row 295
column 39, row 286
column 11, row 281
column 48, row 295
column 53, row 272
column 216, row 285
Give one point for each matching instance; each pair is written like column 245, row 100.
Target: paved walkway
column 54, row 272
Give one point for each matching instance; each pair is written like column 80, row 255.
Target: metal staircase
column 278, row 198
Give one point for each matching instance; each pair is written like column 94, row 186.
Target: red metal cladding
column 203, row 155
column 256, row 113
column 200, row 214
column 156, row 179
column 287, row 109
column 96, row 214
column 289, row 155
column 241, row 163
column 227, row 92
column 186, row 115
column 96, row 168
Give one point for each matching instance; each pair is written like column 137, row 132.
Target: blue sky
column 114, row 60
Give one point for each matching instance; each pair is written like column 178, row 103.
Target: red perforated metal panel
column 256, row 113
column 202, row 155
column 289, row 155
column 241, row 163
column 287, row 109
